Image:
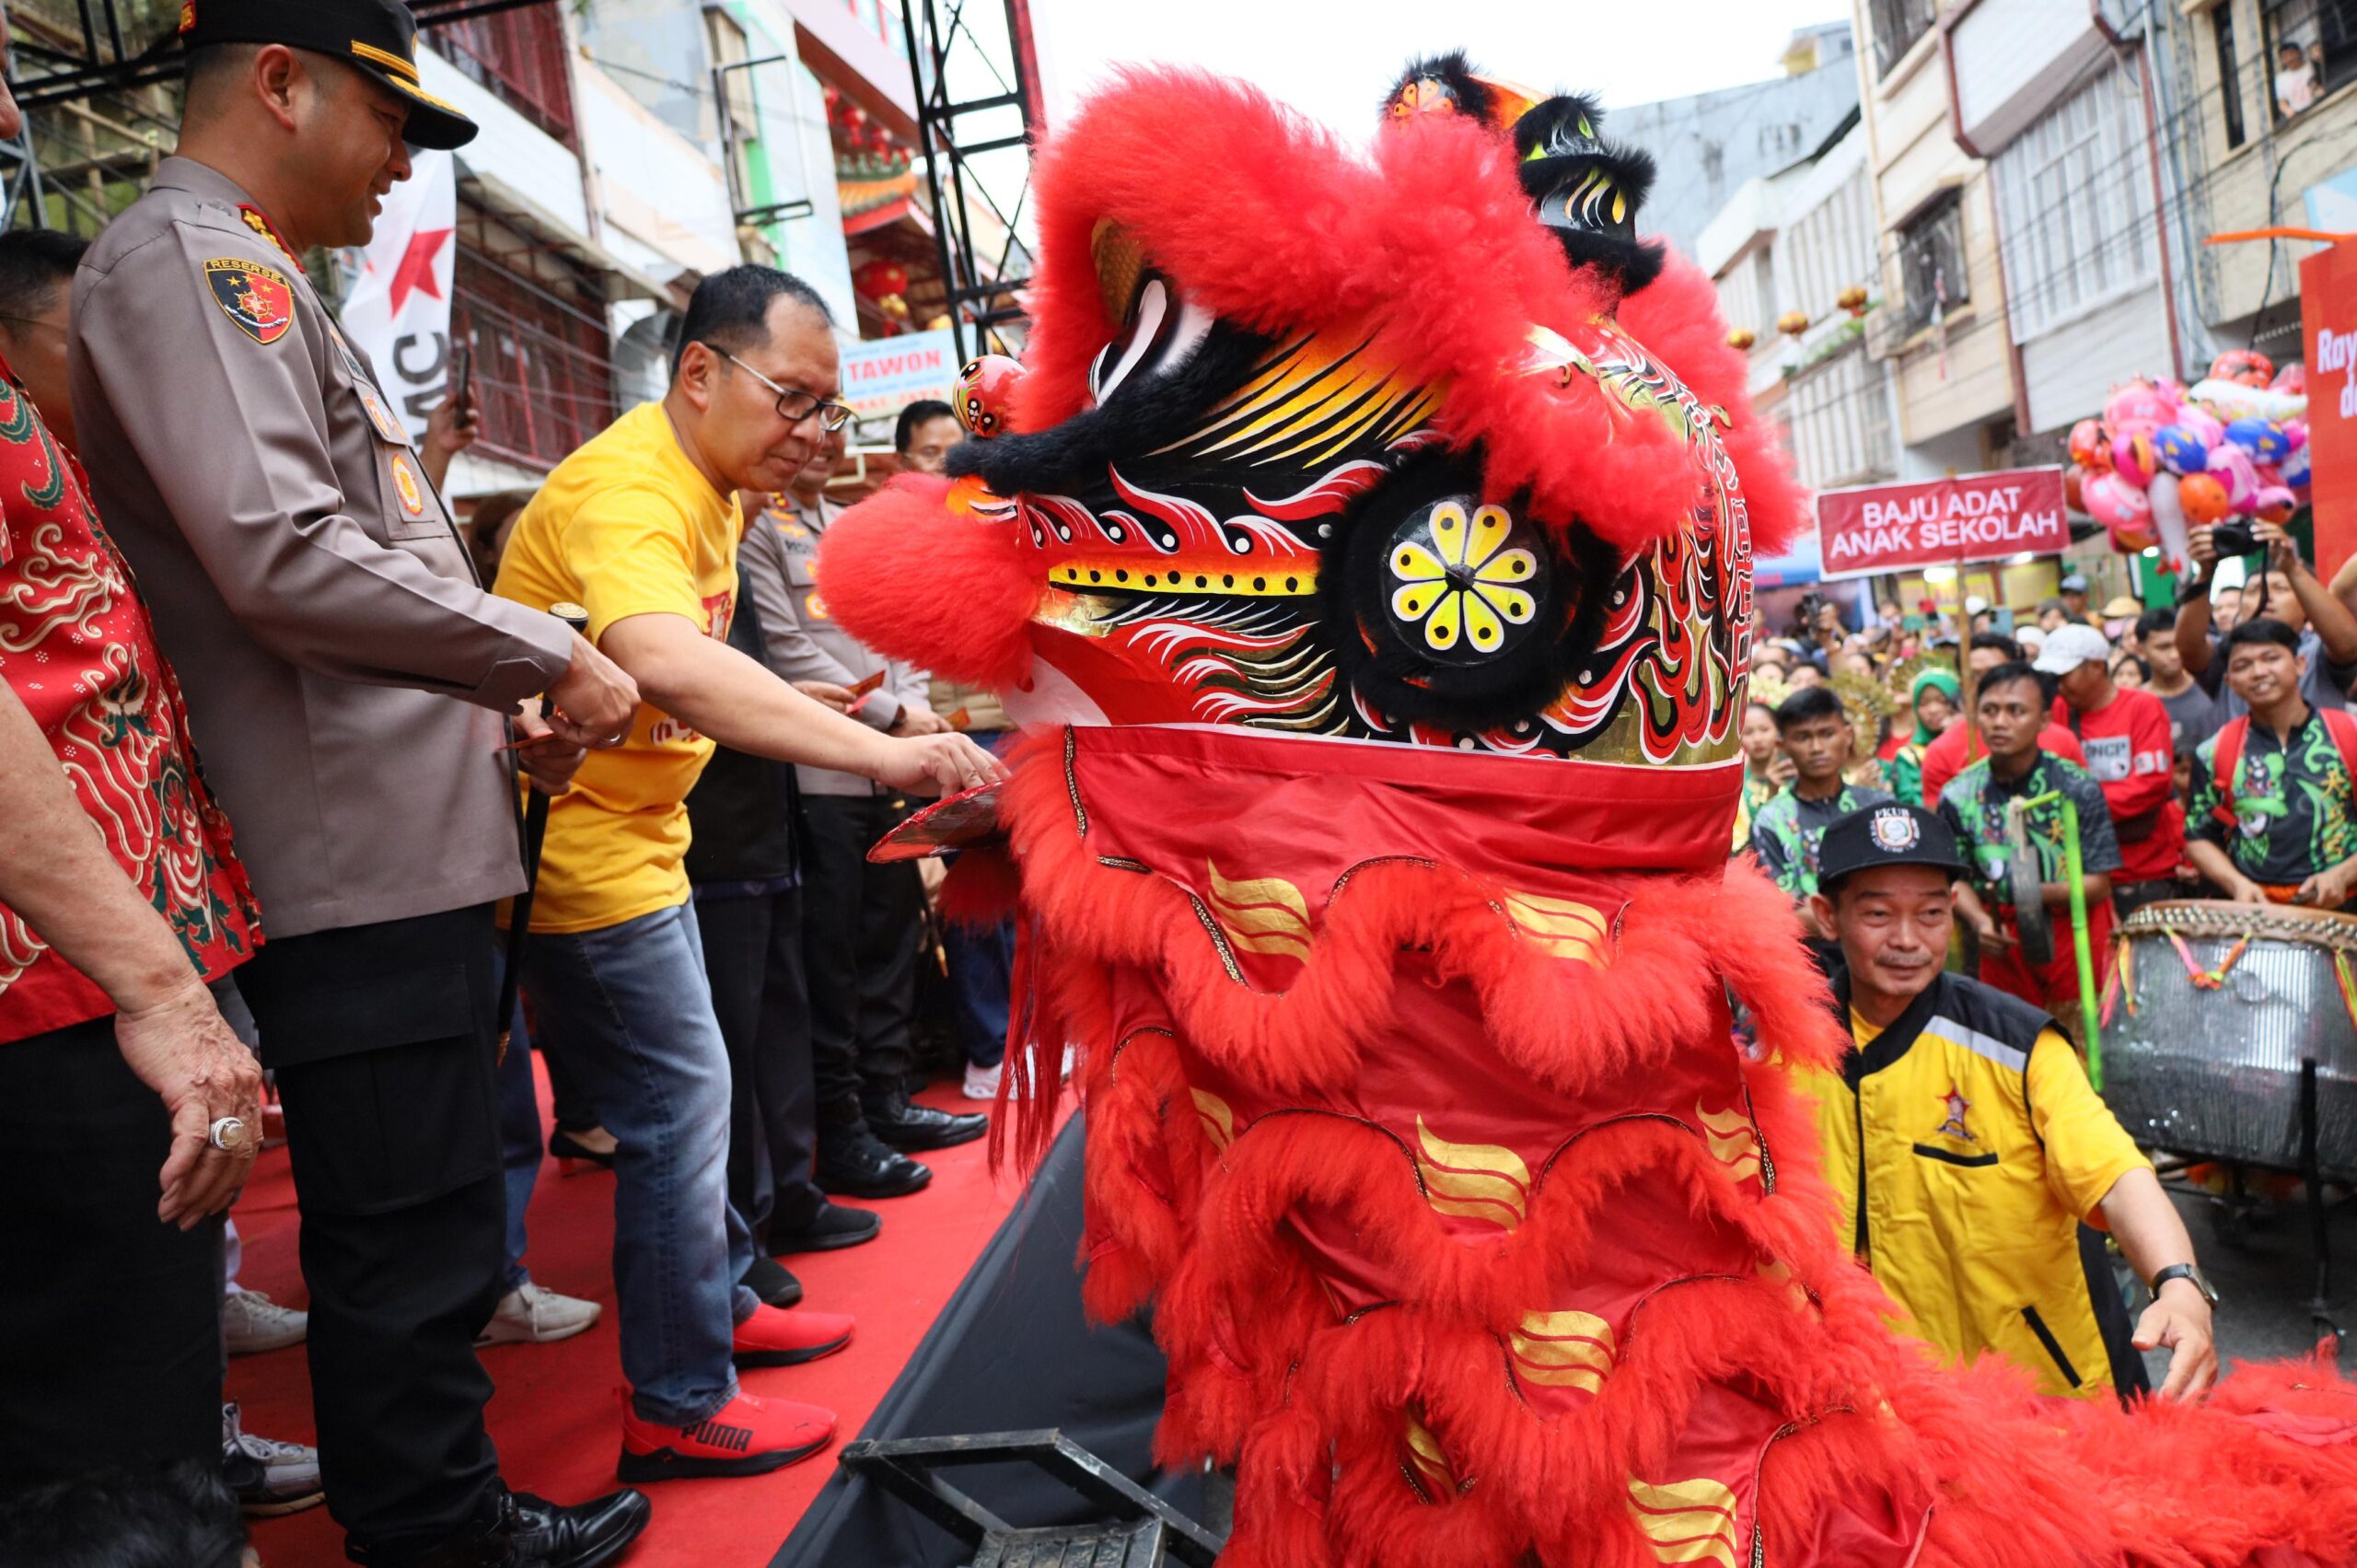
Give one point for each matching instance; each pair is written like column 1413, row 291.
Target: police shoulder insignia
column 258, row 299
column 407, row 483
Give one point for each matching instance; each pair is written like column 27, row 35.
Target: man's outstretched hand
column 2178, row 1323
column 938, row 764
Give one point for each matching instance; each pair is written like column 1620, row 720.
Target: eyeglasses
column 792, row 406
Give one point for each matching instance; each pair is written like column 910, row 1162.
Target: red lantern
column 1741, row 339
column 880, row 279
column 1853, row 299
column 1793, row 323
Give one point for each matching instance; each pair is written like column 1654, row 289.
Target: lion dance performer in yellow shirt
column 1365, row 546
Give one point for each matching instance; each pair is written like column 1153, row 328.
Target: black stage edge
column 1011, row 1350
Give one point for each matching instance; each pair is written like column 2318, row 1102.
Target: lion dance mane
column 1366, row 550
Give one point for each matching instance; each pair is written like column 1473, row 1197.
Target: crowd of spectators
column 2203, row 747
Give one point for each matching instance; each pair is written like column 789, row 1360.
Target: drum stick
column 536, row 829
column 2075, row 867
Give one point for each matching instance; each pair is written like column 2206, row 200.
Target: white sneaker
column 251, row 1322
column 981, row 1082
column 269, row 1477
column 530, row 1316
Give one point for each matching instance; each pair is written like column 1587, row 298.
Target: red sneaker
column 775, row 1337
column 748, row 1435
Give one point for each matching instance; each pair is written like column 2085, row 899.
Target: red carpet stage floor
column 555, row 1416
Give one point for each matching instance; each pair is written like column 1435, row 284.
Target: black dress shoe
column 833, row 1227
column 769, row 1280
column 907, row 1126
column 586, row 1535
column 862, row 1167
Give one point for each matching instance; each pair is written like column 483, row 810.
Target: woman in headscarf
column 1937, row 696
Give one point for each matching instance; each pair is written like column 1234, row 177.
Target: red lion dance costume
column 1366, row 547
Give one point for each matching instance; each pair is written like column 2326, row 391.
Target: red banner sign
column 2329, row 324
column 1940, row 522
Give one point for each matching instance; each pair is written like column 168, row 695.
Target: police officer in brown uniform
column 354, row 686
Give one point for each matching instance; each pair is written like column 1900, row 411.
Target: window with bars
column 2075, row 195
column 1897, row 24
column 2323, row 35
column 1932, row 262
column 519, row 56
column 2230, row 73
column 543, row 361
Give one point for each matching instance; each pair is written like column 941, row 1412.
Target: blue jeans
column 982, row 971
column 630, row 1010
column 519, row 1141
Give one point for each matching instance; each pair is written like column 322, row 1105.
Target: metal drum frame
column 2257, row 1067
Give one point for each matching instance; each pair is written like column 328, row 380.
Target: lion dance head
column 1364, row 546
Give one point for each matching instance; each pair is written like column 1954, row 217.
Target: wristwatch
column 2186, row 1271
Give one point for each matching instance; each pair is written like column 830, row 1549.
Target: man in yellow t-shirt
column 1972, row 1161
column 640, row 527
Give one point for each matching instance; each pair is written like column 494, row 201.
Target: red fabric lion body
column 1367, row 551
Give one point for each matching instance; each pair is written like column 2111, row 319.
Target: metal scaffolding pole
column 978, row 197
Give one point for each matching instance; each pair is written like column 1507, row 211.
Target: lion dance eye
column 1459, row 580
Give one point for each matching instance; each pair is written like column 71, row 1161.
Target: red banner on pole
column 1939, row 522
column 2328, row 326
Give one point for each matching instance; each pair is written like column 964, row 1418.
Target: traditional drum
column 2209, row 1014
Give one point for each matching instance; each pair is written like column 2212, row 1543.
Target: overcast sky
column 1333, row 59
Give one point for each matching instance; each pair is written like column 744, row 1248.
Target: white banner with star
column 398, row 312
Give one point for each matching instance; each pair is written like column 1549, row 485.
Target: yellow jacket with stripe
column 1970, row 1158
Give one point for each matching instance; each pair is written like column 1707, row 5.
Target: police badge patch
column 1895, row 833
column 258, row 299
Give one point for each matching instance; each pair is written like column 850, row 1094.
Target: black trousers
column 752, row 955
column 860, row 929
column 110, row 1324
column 383, row 1041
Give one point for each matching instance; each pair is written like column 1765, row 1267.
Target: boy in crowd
column 2011, row 706
column 2272, row 790
column 2126, row 737
column 2193, row 712
column 1815, row 733
column 1961, row 742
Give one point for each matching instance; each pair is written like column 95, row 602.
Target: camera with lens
column 2234, row 536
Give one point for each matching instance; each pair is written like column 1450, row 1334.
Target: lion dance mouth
column 1365, row 546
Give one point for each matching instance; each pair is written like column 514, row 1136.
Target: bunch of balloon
column 2166, row 458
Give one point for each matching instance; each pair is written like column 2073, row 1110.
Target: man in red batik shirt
column 121, row 897
column 2125, row 735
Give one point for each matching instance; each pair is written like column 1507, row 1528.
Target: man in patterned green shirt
column 2013, row 706
column 2272, row 792
column 1815, row 733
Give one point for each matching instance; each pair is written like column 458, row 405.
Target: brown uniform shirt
column 345, row 673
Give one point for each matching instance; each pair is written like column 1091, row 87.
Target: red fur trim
column 908, row 579
column 1270, row 222
column 982, row 889
column 1264, row 1371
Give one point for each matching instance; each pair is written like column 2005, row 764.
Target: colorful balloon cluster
column 2166, row 458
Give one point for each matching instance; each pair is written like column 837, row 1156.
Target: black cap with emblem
column 375, row 36
column 1892, row 833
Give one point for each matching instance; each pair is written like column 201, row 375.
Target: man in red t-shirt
column 121, row 897
column 1961, row 745
column 2126, row 737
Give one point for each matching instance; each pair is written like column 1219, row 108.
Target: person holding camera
column 2285, row 591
